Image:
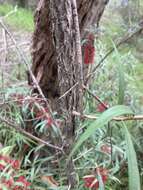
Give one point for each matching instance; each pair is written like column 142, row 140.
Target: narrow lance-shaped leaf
column 121, row 85
column 121, row 76
column 133, row 171
column 100, row 122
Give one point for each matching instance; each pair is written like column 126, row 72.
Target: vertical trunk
column 44, row 63
column 69, row 73
column 90, row 12
column 57, row 59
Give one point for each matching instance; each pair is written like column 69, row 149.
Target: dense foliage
column 107, row 153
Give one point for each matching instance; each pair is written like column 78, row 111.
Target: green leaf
column 6, row 150
column 121, row 84
column 120, row 75
column 100, row 122
column 134, row 177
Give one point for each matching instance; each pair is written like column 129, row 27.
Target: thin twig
column 68, row 91
column 124, row 40
column 10, row 13
column 110, row 140
column 4, row 58
column 22, row 131
column 96, row 97
column 121, row 118
column 69, row 187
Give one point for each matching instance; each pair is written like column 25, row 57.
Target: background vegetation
column 110, row 145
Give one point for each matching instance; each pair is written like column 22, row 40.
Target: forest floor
column 11, row 62
column 19, row 23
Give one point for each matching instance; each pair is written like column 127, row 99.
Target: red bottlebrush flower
column 104, row 173
column 49, row 121
column 9, row 182
column 44, row 114
column 2, row 167
column 15, row 164
column 89, row 53
column 46, row 110
column 91, row 181
column 102, row 107
column 17, row 187
column 106, row 148
column 89, row 50
column 24, row 181
column 21, row 179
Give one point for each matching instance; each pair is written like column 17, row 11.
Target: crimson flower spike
column 89, row 50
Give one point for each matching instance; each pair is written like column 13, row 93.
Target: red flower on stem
column 44, row 114
column 2, row 167
column 24, row 182
column 8, row 183
column 102, row 107
column 106, row 148
column 89, row 54
column 92, row 182
column 89, row 50
column 15, row 164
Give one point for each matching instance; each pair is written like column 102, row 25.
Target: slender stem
column 22, row 131
column 121, row 118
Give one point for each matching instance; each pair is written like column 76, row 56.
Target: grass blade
column 120, row 75
column 133, row 171
column 121, row 85
column 100, row 122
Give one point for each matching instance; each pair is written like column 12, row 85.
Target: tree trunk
column 57, row 59
column 45, row 50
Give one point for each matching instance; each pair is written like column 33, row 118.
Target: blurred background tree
column 23, row 3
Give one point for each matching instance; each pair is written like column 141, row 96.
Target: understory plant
column 107, row 151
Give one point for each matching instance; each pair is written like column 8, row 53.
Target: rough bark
column 57, row 59
column 90, row 12
column 44, row 62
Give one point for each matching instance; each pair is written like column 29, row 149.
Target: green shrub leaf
column 133, row 171
column 100, row 122
column 121, row 85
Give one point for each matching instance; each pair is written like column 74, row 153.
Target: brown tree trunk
column 45, row 51
column 57, row 59
column 44, row 62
